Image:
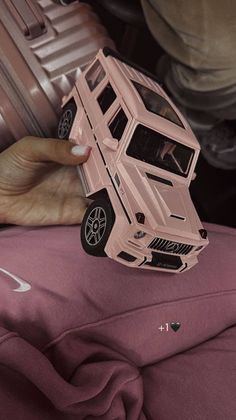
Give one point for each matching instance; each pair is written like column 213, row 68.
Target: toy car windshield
column 155, row 149
column 157, row 104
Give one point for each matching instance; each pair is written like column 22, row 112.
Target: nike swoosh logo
column 23, row 285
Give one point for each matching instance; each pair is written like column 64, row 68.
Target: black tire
column 66, row 121
column 93, row 237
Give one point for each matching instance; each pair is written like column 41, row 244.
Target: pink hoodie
column 77, row 334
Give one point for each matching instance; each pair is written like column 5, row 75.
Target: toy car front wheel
column 66, row 121
column 96, row 227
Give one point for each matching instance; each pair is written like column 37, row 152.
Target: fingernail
column 80, row 150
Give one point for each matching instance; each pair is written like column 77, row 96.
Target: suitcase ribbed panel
column 44, row 64
column 75, row 37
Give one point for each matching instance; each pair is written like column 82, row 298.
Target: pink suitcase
column 43, row 46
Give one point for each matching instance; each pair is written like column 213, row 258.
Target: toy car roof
column 116, row 62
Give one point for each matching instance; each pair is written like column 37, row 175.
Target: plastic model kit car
column 139, row 170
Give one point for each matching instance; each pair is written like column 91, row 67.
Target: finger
column 37, row 149
column 47, row 210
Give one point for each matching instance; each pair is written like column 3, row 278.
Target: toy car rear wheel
column 96, row 227
column 66, row 121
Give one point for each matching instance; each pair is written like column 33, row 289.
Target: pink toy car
column 139, row 170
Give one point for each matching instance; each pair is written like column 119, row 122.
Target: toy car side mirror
column 111, row 143
column 194, row 176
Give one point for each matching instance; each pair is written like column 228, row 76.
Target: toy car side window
column 106, row 98
column 118, row 124
column 95, row 75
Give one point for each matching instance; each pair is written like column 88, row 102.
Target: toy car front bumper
column 152, row 260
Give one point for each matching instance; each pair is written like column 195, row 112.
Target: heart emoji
column 175, row 326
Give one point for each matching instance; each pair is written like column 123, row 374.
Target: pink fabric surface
column 199, row 384
column 76, row 344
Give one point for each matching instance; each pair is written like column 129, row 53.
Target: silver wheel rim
column 65, row 124
column 95, row 226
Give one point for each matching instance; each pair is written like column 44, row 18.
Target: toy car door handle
column 111, row 143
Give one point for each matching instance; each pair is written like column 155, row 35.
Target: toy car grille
column 170, row 246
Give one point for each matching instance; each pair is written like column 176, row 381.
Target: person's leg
column 199, row 70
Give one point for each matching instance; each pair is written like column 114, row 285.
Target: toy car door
column 113, row 124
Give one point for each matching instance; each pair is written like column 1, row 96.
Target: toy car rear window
column 157, row 104
column 158, row 150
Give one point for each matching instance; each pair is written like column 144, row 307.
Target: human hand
column 39, row 183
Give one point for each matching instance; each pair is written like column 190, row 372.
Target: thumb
column 35, row 149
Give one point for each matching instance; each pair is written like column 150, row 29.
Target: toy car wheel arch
column 96, row 227
column 66, row 120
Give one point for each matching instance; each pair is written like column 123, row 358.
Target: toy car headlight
column 140, row 234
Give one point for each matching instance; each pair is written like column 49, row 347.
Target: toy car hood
column 167, row 205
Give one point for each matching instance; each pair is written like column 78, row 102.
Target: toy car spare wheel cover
column 96, row 227
column 66, row 121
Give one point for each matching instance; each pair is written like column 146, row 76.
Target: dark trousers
column 199, row 37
